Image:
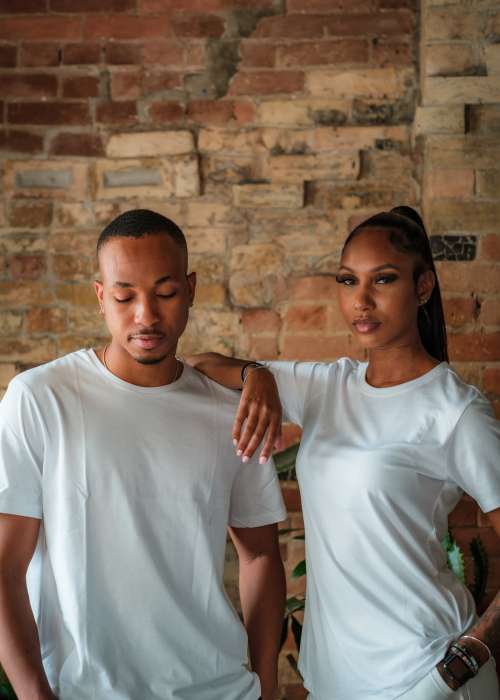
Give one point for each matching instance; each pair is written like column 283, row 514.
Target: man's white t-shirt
column 379, row 472
column 136, row 487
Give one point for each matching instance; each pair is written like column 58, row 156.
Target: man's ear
column 425, row 284
column 99, row 290
column 191, row 278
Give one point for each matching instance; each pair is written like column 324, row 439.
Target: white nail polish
column 239, row 453
column 235, row 442
column 245, row 459
column 262, row 460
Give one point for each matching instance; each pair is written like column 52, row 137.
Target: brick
column 462, row 90
column 271, row 82
column 117, row 113
column 207, row 213
column 210, row 294
column 24, row 294
column 323, row 53
column 46, row 320
column 278, row 196
column 28, row 352
column 261, row 321
column 47, row 179
column 25, row 243
column 440, row 120
column 492, row 53
column 198, row 26
column 314, row 167
column 167, row 53
column 478, row 151
column 123, row 53
column 11, row 322
column 449, row 60
column 392, row 53
column 307, row 112
column 166, row 112
column 7, row 372
column 490, row 247
column 475, row 347
column 46, row 28
column 156, row 80
column 155, row 178
column 150, row 143
column 126, row 84
column 451, row 23
column 8, row 55
column 255, row 271
column 257, row 54
column 47, row 113
column 125, row 27
column 490, row 312
column 491, row 380
column 74, row 214
column 25, row 85
column 92, row 5
column 450, row 183
column 290, row 27
column 306, row 317
column 488, row 183
column 484, row 119
column 79, row 294
column 83, row 53
column 468, row 278
column 314, row 347
column 210, row 112
column 24, row 6
column 30, row 214
column 315, row 288
column 81, row 242
column 27, row 267
column 375, row 83
column 244, row 112
column 466, row 216
column 20, row 142
column 263, row 347
column 186, row 176
column 460, row 311
column 37, row 55
column 80, row 87
column 71, row 267
column 71, row 144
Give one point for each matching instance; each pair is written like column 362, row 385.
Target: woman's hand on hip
column 259, row 416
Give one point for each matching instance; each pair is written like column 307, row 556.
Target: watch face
column 457, row 669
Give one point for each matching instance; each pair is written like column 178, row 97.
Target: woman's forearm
column 223, row 370
column 487, row 630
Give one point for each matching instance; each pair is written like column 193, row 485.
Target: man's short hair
column 137, row 223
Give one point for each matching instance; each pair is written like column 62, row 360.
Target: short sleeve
column 21, row 454
column 474, row 454
column 297, row 383
column 256, row 498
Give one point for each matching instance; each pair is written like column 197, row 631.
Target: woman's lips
column 366, row 326
column 147, row 342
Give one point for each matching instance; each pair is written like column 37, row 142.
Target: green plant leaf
column 285, row 460
column 300, row 569
column 293, row 604
column 455, row 557
column 284, row 631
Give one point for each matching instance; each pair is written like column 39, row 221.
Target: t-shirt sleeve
column 297, row 382
column 256, row 498
column 21, row 454
column 474, row 454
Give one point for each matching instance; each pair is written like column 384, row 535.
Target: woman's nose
column 363, row 299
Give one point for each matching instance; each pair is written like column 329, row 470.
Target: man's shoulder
column 49, row 374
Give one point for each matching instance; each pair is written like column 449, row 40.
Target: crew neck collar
column 135, row 387
column 398, row 388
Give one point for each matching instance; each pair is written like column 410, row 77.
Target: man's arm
column 262, row 594
column 20, row 653
column 260, row 406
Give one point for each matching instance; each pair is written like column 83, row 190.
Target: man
column 118, row 482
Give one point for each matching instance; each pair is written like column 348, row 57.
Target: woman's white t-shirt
column 379, row 472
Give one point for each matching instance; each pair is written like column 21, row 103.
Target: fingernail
column 239, row 453
column 245, row 459
column 235, row 442
column 262, row 460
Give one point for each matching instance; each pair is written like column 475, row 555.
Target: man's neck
column 125, row 367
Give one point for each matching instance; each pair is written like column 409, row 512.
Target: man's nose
column 146, row 312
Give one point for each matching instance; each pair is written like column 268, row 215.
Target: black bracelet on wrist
column 252, row 363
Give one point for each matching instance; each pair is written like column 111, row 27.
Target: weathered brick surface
column 266, row 132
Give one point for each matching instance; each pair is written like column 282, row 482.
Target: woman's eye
column 347, row 281
column 386, row 279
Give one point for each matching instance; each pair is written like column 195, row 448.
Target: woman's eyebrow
column 374, row 269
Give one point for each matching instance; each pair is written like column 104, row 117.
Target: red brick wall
column 265, row 129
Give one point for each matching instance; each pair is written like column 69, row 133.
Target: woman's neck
column 391, row 366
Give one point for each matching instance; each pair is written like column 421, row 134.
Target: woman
column 388, row 449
